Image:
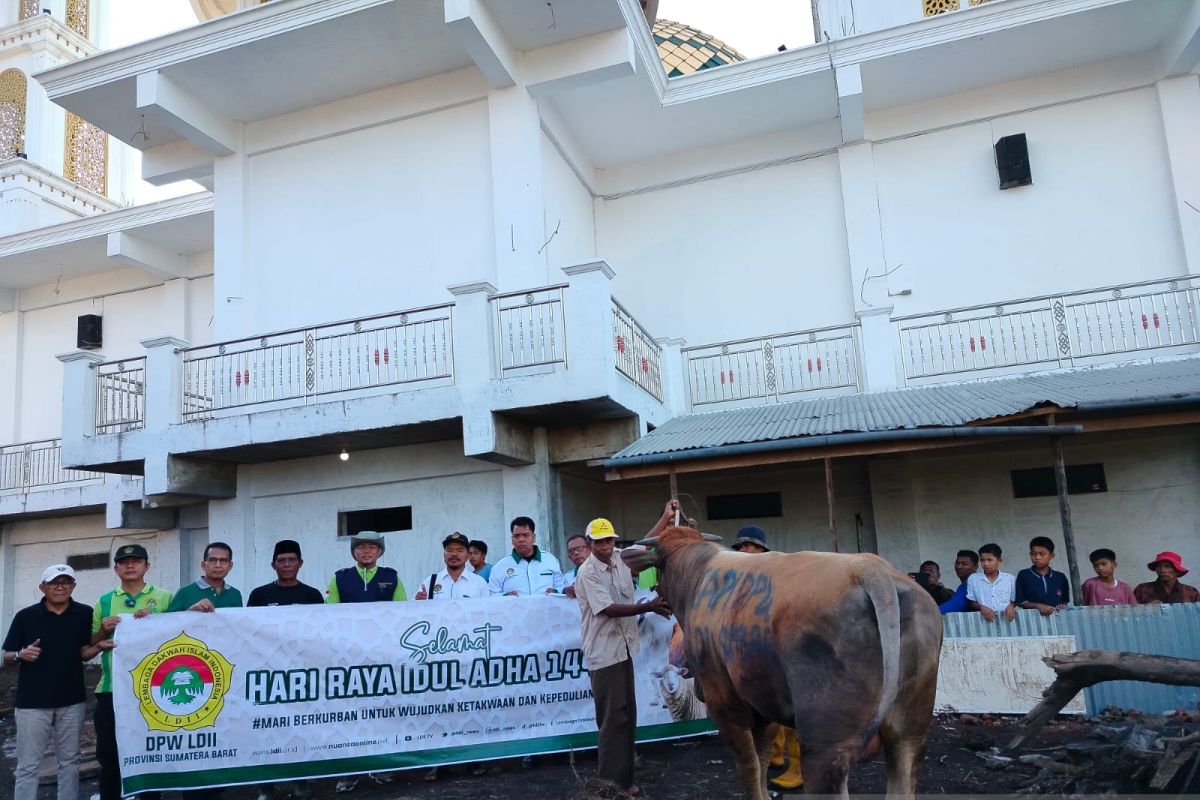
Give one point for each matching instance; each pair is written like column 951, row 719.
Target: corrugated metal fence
column 1168, row 630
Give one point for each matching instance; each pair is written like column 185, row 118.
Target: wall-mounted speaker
column 89, row 334
column 1012, row 161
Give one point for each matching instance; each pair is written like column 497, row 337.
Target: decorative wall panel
column 933, row 7
column 13, row 84
column 29, row 8
column 77, row 16
column 85, row 157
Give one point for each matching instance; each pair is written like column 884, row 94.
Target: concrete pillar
column 517, row 206
column 589, row 321
column 864, row 244
column 1179, row 103
column 673, row 368
column 532, row 491
column 175, row 303
column 232, row 282
column 474, row 363
column 12, row 328
column 79, row 398
column 164, row 382
column 8, row 575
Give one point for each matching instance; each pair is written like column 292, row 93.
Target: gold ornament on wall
column 29, row 8
column 977, row 2
column 77, row 16
column 85, row 156
column 13, row 86
column 933, row 7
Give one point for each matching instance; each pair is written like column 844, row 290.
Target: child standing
column 991, row 591
column 1040, row 587
column 1105, row 589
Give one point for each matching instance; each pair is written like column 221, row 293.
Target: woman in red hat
column 1167, row 589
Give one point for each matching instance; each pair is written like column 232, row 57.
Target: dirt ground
column 959, row 762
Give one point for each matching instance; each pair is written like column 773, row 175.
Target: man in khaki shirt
column 605, row 591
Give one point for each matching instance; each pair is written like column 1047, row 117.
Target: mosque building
column 907, row 289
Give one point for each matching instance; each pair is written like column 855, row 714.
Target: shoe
column 528, row 763
column 346, row 785
column 383, row 777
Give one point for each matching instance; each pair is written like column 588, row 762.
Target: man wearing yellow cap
column 604, row 589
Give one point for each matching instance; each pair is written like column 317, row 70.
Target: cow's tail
column 882, row 591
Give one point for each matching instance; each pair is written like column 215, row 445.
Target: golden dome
column 685, row 50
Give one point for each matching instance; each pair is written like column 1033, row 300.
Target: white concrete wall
column 301, row 500
column 569, row 209
column 1100, row 210
column 840, row 19
column 634, row 506
column 39, row 543
column 368, row 221
column 930, row 506
column 751, row 254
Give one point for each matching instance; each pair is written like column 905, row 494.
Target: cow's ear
column 639, row 560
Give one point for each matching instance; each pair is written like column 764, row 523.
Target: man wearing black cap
column 454, row 582
column 286, row 589
column 134, row 596
column 751, row 539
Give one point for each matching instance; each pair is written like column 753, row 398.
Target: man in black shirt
column 286, row 589
column 50, row 640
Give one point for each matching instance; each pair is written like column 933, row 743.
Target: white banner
column 252, row 695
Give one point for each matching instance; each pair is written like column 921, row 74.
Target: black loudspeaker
column 89, row 335
column 1012, row 161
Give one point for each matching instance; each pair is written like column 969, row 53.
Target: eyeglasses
column 130, row 602
column 219, row 560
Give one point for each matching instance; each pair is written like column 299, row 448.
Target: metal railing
column 639, row 357
column 773, row 368
column 1052, row 329
column 530, row 328
column 301, row 365
column 30, row 465
column 121, row 395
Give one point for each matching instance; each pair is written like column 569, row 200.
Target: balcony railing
column 299, row 366
column 32, row 465
column 1060, row 329
column 121, row 395
column 773, row 368
column 530, row 328
column 639, row 356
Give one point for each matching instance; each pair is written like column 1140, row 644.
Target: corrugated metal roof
column 1165, row 630
column 941, row 405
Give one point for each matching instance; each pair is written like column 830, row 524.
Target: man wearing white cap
column 49, row 641
column 604, row 589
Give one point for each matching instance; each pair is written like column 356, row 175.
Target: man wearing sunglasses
column 134, row 596
column 49, row 641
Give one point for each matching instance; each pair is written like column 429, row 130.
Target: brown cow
column 841, row 647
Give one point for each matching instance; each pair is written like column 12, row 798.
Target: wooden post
column 1064, row 513
column 833, row 538
column 674, row 489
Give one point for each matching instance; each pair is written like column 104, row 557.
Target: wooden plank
column 829, row 502
column 1064, row 513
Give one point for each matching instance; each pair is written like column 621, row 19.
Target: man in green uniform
column 134, row 596
column 210, row 591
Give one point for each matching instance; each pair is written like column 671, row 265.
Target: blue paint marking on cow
column 717, row 588
column 726, row 588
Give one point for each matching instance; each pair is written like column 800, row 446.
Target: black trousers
column 105, row 721
column 616, row 717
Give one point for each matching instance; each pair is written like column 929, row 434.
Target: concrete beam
column 8, row 299
column 128, row 249
column 178, row 480
column 599, row 439
column 499, row 440
column 473, row 27
column 1181, row 51
column 579, row 62
column 188, row 115
column 850, row 103
column 136, row 517
column 176, row 161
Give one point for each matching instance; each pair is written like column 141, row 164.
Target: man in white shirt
column 455, row 582
column 528, row 569
column 604, row 589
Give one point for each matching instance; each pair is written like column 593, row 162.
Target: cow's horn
column 649, row 541
column 711, row 537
